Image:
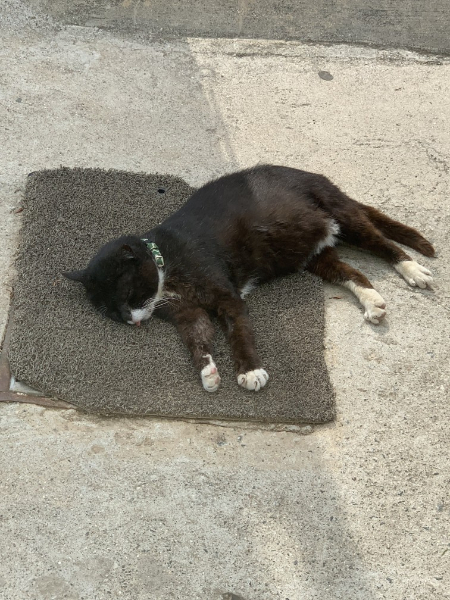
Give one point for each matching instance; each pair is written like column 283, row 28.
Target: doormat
column 60, row 346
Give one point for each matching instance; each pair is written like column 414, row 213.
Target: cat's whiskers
column 165, row 301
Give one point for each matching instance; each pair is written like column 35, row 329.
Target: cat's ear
column 127, row 252
column 79, row 276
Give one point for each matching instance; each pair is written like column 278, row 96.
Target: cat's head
column 122, row 280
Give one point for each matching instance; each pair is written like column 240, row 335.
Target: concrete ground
column 385, row 23
column 149, row 509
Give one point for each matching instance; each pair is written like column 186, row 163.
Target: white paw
column 374, row 305
column 210, row 376
column 253, row 380
column 414, row 274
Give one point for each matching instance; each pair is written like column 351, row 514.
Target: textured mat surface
column 60, row 346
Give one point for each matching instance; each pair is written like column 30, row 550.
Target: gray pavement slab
column 386, row 23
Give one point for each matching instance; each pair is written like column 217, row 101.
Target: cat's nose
column 131, row 322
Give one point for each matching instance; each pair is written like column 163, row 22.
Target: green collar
column 157, row 256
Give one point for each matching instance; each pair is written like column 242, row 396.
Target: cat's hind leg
column 398, row 232
column 361, row 232
column 412, row 272
column 329, row 267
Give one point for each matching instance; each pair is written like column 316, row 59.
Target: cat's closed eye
column 115, row 316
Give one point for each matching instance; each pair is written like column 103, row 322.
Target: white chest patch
column 248, row 287
column 330, row 239
column 144, row 313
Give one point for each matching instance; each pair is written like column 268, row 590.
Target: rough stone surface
column 97, row 508
column 387, row 23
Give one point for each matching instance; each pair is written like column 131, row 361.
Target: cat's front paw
column 210, row 377
column 253, row 380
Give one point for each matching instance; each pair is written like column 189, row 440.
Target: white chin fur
column 142, row 314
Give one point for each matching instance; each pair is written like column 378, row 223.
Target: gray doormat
column 61, row 347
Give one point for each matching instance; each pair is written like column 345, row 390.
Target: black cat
column 232, row 234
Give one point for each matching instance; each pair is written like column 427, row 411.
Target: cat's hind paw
column 414, row 274
column 374, row 305
column 210, row 377
column 253, row 380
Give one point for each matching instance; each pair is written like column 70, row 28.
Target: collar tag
column 157, row 256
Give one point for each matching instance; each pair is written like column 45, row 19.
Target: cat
column 232, row 234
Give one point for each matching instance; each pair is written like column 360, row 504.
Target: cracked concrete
column 97, row 508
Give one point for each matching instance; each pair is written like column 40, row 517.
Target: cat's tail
column 396, row 231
